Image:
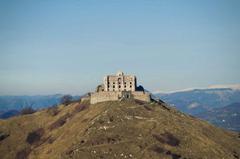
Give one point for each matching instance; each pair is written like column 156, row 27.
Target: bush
column 147, row 108
column 139, row 102
column 167, row 138
column 80, row 107
column 157, row 149
column 3, row 135
column 27, row 110
column 60, row 122
column 66, row 99
column 53, row 110
column 51, row 140
column 35, row 136
column 23, row 154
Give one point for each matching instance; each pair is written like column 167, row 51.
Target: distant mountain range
column 19, row 102
column 226, row 117
column 219, row 106
column 200, row 100
column 11, row 105
column 8, row 113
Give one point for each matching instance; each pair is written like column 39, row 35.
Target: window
column 130, row 86
column 130, row 82
column 113, row 86
column 119, row 86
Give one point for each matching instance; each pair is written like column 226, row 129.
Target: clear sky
column 67, row 46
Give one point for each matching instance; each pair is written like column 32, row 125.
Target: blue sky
column 67, row 46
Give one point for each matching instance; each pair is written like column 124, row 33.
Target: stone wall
column 85, row 99
column 116, row 96
column 104, row 96
column 143, row 96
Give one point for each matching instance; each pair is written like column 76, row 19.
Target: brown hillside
column 126, row 129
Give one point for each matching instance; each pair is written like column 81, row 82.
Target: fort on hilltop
column 118, row 87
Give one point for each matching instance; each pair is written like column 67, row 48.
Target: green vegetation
column 126, row 129
column 66, row 100
column 27, row 110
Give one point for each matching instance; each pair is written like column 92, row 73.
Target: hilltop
column 120, row 129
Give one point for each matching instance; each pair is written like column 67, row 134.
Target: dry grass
column 114, row 130
column 53, row 111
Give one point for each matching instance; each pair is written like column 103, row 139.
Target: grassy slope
column 117, row 130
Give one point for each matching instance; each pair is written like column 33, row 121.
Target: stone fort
column 118, row 87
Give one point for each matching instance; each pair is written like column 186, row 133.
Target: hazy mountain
column 8, row 114
column 126, row 129
column 38, row 101
column 226, row 117
column 200, row 100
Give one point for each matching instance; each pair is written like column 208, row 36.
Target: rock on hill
column 126, row 129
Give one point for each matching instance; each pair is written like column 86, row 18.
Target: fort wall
column 143, row 96
column 104, row 96
column 117, row 96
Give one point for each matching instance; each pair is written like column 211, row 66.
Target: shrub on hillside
column 3, row 135
column 139, row 102
column 60, row 122
column 66, row 99
column 53, row 110
column 35, row 136
column 23, row 154
column 80, row 107
column 167, row 138
column 27, row 110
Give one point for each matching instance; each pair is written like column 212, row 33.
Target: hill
column 37, row 102
column 126, row 129
column 19, row 102
column 8, row 114
column 227, row 117
column 200, row 100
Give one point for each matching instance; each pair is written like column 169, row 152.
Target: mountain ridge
column 229, row 86
column 200, row 100
column 226, row 117
column 35, row 101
